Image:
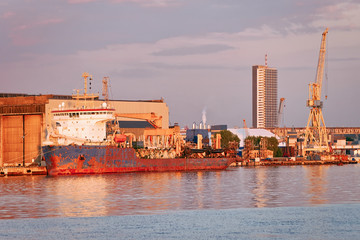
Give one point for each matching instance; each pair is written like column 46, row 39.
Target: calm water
column 303, row 202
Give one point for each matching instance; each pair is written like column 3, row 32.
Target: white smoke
column 204, row 117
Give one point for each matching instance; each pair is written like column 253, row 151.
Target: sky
column 196, row 54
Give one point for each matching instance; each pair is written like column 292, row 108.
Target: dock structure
column 21, row 171
column 283, row 131
column 287, row 162
column 337, row 139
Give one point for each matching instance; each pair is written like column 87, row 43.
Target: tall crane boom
column 280, row 111
column 316, row 138
column 246, row 129
column 320, row 67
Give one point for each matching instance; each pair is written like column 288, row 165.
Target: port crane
column 316, row 139
column 281, row 112
column 246, row 129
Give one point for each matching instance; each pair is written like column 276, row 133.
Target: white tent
column 242, row 133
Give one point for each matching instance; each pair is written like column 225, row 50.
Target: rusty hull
column 73, row 159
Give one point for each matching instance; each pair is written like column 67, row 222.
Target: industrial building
column 264, row 96
column 25, row 120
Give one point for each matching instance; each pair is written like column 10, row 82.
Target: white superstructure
column 82, row 123
column 81, row 126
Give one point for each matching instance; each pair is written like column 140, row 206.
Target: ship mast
column 85, row 95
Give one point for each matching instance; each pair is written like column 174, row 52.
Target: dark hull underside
column 73, row 159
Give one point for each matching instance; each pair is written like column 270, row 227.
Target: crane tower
column 281, row 112
column 105, row 90
column 316, row 138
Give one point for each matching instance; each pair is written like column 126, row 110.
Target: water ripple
column 153, row 193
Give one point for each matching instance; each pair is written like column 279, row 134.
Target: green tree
column 255, row 140
column 272, row 144
column 349, row 139
column 227, row 137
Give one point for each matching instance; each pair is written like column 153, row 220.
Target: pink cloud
column 39, row 23
column 80, row 1
column 157, row 3
column 21, row 35
column 50, row 21
column 7, row 15
column 20, row 40
column 144, row 3
column 344, row 16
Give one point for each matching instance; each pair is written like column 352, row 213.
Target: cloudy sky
column 196, row 54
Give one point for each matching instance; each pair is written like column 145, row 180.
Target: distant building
column 264, row 102
column 218, row 128
column 191, row 134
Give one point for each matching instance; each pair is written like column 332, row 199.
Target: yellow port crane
column 281, row 112
column 316, row 138
column 246, row 129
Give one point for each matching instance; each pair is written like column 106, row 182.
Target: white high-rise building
column 264, row 84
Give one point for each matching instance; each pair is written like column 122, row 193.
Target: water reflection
column 317, row 184
column 20, row 197
column 73, row 196
column 260, row 188
column 275, row 187
column 149, row 193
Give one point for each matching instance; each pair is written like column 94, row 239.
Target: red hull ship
column 73, row 159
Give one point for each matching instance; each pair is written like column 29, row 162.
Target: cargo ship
column 79, row 142
column 89, row 159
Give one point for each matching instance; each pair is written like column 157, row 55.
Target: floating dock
column 21, row 171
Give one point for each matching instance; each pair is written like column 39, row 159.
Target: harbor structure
column 264, row 96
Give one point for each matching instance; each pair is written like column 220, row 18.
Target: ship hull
column 73, row 159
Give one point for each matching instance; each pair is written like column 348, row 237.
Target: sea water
column 297, row 202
